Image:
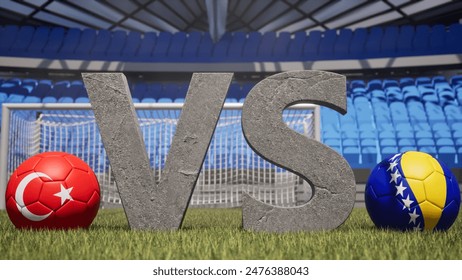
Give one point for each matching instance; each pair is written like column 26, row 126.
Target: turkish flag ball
column 52, row 190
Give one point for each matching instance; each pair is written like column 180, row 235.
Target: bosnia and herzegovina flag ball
column 412, row 191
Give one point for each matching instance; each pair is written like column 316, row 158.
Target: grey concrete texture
column 195, row 128
column 121, row 136
column 146, row 205
column 328, row 173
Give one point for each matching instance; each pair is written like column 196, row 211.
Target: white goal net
column 230, row 167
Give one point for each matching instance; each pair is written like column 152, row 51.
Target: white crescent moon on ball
column 19, row 197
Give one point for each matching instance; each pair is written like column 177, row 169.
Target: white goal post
column 230, row 166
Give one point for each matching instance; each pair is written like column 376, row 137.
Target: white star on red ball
column 64, row 194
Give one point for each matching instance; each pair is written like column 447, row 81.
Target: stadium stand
column 376, row 42
column 384, row 115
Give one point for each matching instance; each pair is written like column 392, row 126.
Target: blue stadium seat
column 146, row 47
column 411, row 93
column 39, row 41
column 117, row 44
column 181, row 93
column 310, row 50
column 423, row 134
column 23, row 40
column 281, row 46
column 251, row 45
column 352, row 155
column 374, row 42
column 421, row 126
column 69, row 43
column 155, row 90
column 438, row 39
column 368, row 142
column 444, row 142
column 388, row 142
column 331, row 132
column 357, row 84
column 205, row 47
column 333, row 142
column 138, row 91
column 58, row 89
column 237, row 46
column 404, row 130
column 390, row 83
column 175, row 52
column 386, row 134
column 458, row 144
column 29, row 82
column 8, row 35
column 15, row 98
column 454, row 38
column 367, row 134
column 416, row 112
column 389, row 41
column 326, row 45
column 405, row 38
column 389, row 151
column 453, row 114
column 160, row 50
column 421, row 42
column 234, row 93
column 428, row 94
column 363, row 110
column 456, row 126
column 406, row 81
column 358, row 42
column 366, row 126
column 191, row 46
column 43, row 88
column 54, row 42
column 265, row 50
column 86, row 44
column 423, row 81
column 220, row 50
column 369, row 157
column 9, row 87
column 132, row 44
column 435, row 113
column 102, row 40
column 342, row 44
column 443, row 89
column 350, row 142
column 456, row 81
column 448, row 155
column 398, row 112
column 393, row 93
column 374, row 84
column 425, row 142
column 406, row 142
column 170, row 90
column 440, row 126
column 296, row 46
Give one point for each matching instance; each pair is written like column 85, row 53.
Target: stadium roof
column 218, row 16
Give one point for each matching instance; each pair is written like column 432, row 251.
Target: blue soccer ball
column 412, row 191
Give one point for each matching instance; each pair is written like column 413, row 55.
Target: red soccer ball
column 52, row 190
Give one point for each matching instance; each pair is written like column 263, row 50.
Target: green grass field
column 217, row 234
